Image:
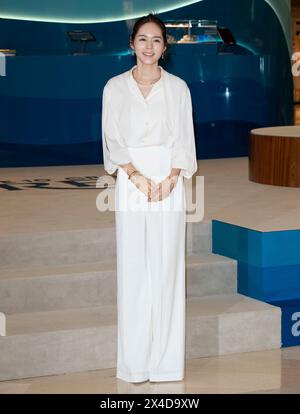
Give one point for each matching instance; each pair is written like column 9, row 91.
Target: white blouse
column 164, row 117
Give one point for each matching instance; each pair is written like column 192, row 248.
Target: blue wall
column 50, row 100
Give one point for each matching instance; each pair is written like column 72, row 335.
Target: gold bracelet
column 172, row 182
column 132, row 172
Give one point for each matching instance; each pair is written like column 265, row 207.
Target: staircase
column 58, row 294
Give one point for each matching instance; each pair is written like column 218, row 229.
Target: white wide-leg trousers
column 151, row 303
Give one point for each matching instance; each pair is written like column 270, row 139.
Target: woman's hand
column 144, row 184
column 164, row 188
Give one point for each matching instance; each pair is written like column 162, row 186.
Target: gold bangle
column 132, row 172
column 172, row 182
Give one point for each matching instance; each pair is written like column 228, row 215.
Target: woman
column 148, row 135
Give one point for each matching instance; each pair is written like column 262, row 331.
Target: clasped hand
column 154, row 192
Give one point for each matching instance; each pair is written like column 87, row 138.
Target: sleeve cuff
column 113, row 161
column 188, row 166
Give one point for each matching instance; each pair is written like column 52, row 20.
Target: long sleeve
column 184, row 148
column 114, row 151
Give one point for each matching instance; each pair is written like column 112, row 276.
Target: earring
column 132, row 52
column 162, row 56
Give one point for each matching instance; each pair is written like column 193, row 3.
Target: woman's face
column 148, row 43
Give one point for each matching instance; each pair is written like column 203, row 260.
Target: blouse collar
column 135, row 88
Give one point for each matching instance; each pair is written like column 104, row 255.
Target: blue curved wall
column 50, row 100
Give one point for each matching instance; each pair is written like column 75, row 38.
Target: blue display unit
column 290, row 321
column 268, row 269
column 268, row 262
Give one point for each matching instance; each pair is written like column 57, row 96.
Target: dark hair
column 150, row 18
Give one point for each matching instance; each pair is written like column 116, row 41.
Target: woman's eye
column 157, row 40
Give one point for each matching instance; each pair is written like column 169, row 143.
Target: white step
column 45, row 288
column 57, row 247
column 210, row 274
column 199, row 237
column 229, row 324
column 73, row 340
column 80, row 246
column 31, row 289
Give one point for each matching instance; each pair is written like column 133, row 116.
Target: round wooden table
column 274, row 156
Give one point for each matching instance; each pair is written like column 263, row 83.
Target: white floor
column 228, row 195
column 267, row 372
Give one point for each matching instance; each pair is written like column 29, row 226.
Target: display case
column 192, row 31
column 204, row 35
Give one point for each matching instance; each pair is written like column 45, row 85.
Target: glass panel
column 192, row 31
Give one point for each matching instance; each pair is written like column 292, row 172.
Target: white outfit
column 155, row 134
column 164, row 117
